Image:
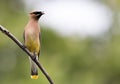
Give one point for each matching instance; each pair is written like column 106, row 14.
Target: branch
column 12, row 37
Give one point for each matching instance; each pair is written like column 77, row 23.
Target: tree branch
column 12, row 37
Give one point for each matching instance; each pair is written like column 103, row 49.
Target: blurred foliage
column 69, row 60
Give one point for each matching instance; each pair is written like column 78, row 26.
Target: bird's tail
column 34, row 71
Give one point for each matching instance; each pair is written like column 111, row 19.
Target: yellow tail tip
column 34, row 77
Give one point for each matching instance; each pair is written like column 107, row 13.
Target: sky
column 73, row 17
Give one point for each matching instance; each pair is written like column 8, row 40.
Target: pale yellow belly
column 33, row 45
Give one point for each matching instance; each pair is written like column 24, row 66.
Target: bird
column 32, row 40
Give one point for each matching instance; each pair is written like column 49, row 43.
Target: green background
column 68, row 60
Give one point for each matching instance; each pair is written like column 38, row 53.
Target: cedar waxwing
column 32, row 40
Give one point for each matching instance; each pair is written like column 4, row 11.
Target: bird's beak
column 42, row 12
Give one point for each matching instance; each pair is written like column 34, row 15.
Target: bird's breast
column 32, row 40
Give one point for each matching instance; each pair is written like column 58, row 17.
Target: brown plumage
column 32, row 39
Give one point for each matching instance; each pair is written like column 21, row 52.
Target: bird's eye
column 37, row 14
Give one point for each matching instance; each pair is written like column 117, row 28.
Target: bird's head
column 36, row 14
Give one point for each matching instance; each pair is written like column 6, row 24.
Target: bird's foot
column 24, row 46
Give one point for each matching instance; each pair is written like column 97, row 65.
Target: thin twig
column 12, row 37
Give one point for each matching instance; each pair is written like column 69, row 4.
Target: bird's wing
column 24, row 36
column 40, row 44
